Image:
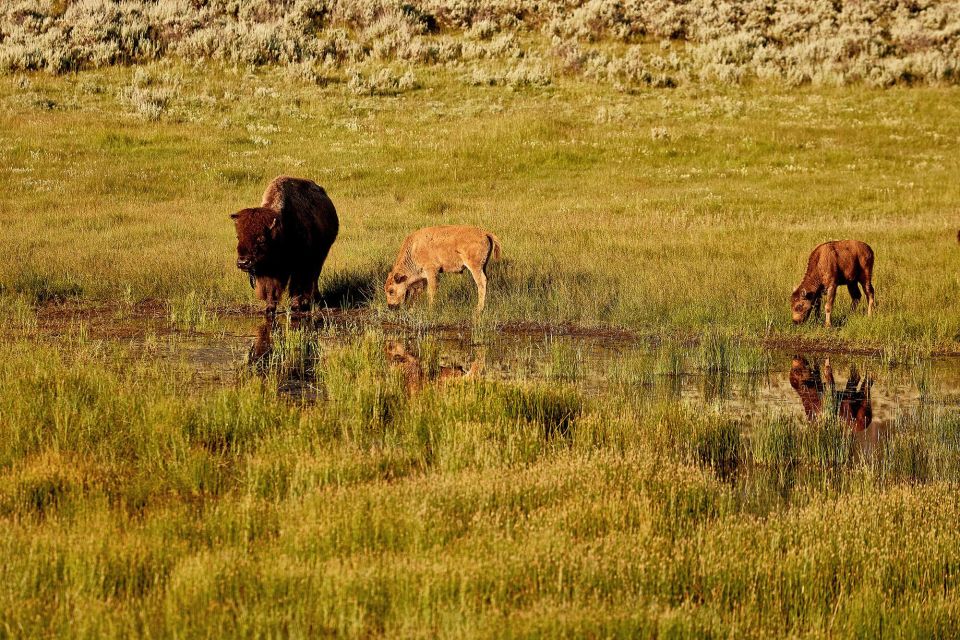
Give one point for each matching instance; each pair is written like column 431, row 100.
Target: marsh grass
column 192, row 312
column 470, row 507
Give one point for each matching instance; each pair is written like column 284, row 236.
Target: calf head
column 398, row 288
column 259, row 232
column 801, row 304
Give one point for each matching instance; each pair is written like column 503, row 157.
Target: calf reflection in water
column 417, row 373
column 852, row 404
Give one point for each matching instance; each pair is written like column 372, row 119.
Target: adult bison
column 285, row 241
column 832, row 264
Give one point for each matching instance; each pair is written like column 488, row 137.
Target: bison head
column 801, row 304
column 400, row 288
column 258, row 232
column 397, row 288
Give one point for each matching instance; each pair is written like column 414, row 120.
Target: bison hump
column 286, row 192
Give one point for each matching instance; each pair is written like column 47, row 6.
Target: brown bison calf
column 853, row 405
column 429, row 252
column 285, row 241
column 832, row 264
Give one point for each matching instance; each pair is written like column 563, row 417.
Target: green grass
column 311, row 493
column 136, row 502
column 604, row 220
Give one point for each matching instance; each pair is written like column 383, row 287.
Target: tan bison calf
column 416, row 375
column 832, row 264
column 284, row 242
column 429, row 252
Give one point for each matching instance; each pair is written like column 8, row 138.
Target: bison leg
column 480, row 278
column 315, row 291
column 269, row 290
column 854, row 295
column 868, row 287
column 303, row 292
column 828, row 306
column 431, row 276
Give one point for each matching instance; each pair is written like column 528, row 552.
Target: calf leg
column 868, row 287
column 854, row 295
column 817, row 306
column 828, row 306
column 431, row 277
column 480, row 278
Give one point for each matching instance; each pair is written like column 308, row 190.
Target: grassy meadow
column 665, row 211
column 665, row 182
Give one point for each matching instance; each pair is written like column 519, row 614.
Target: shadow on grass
column 555, row 410
column 43, row 288
column 352, row 288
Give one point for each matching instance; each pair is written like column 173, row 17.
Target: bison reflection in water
column 852, row 404
column 261, row 349
column 262, row 344
column 416, row 374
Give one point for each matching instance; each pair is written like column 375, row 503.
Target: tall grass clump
column 464, row 506
column 366, row 395
column 192, row 311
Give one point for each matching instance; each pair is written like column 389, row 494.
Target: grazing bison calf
column 285, row 241
column 832, row 264
column 429, row 252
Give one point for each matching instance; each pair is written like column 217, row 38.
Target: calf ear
column 398, row 278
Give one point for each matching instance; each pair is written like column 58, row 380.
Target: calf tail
column 495, row 250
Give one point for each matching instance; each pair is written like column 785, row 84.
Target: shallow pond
column 745, row 379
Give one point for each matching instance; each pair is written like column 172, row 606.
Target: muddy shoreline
column 115, row 321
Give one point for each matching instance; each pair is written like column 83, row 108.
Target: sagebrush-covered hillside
column 631, row 43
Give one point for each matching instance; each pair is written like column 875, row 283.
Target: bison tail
column 495, row 250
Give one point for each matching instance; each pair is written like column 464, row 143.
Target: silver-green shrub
column 880, row 42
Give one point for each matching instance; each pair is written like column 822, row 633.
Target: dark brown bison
column 853, row 405
column 285, row 241
column 832, row 264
